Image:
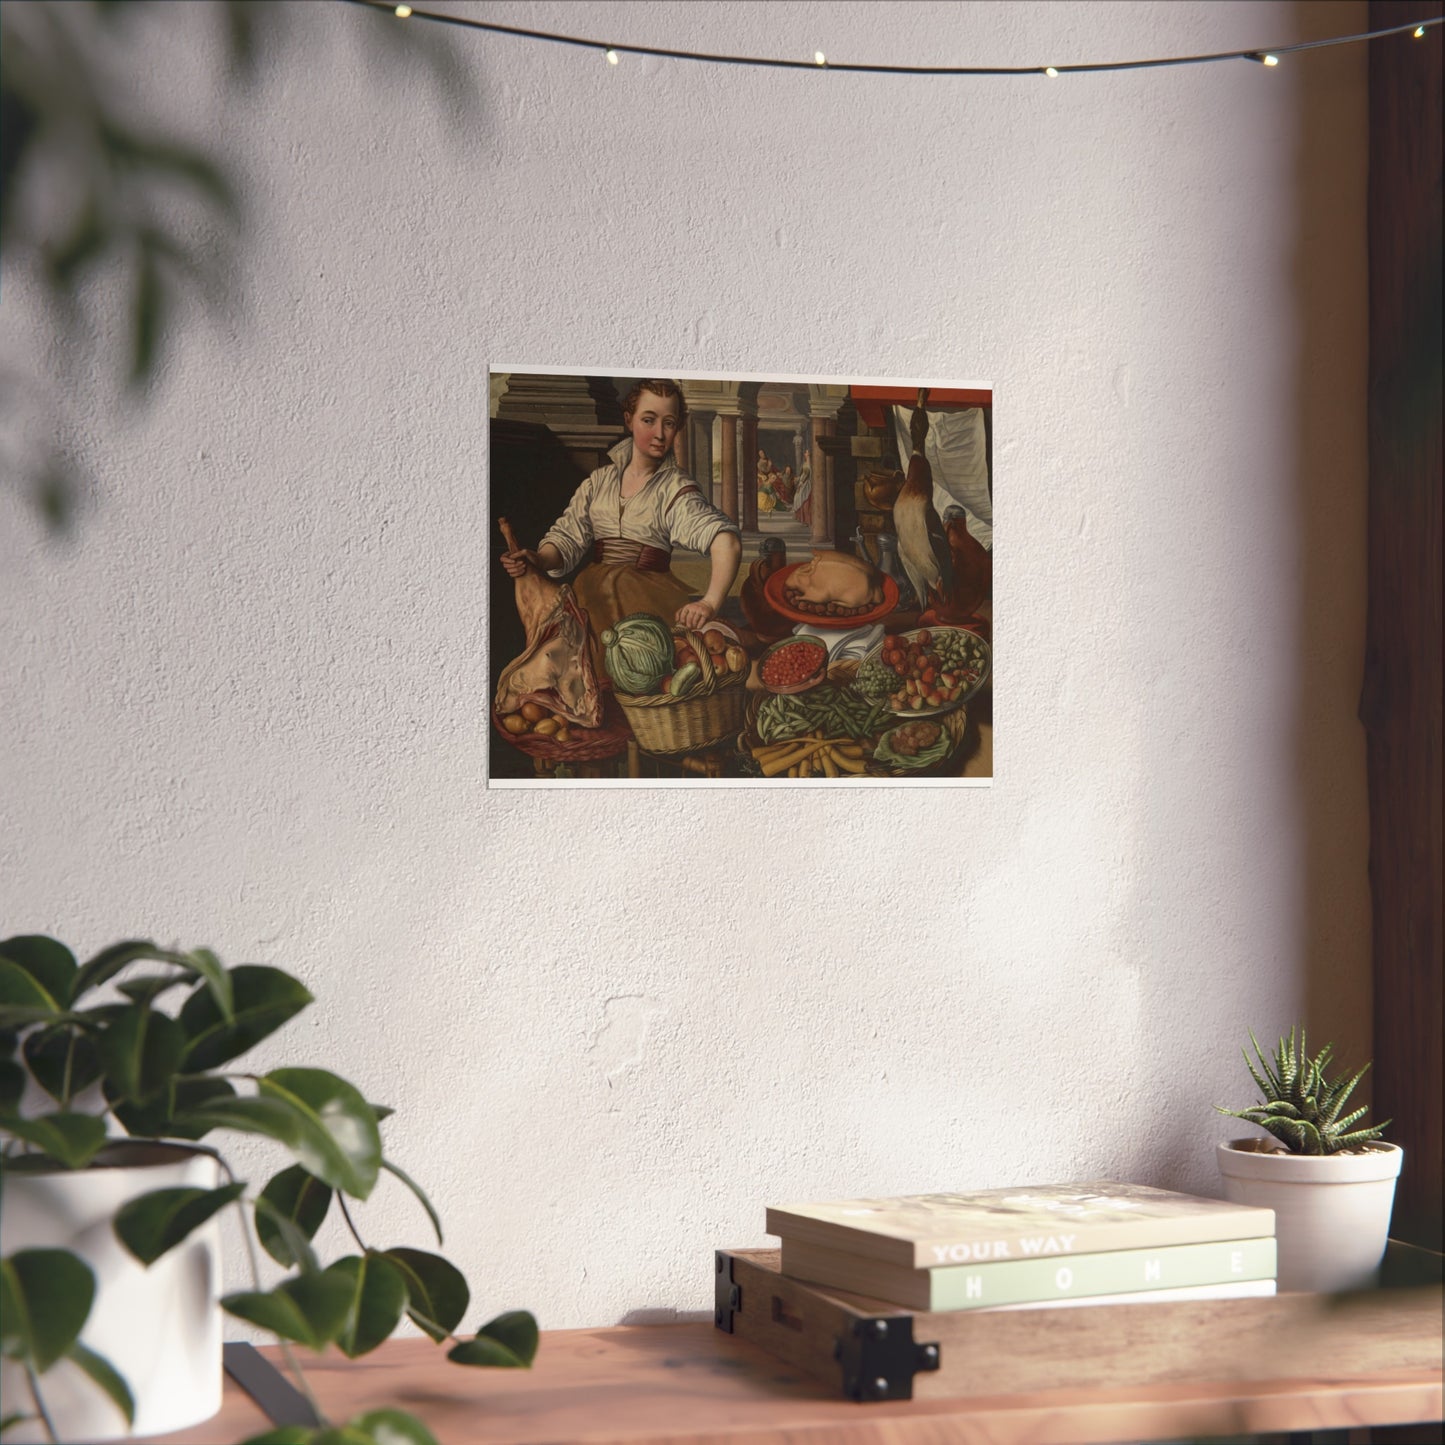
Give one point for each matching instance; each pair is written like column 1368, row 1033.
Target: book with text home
column 924, row 1231
column 1031, row 1281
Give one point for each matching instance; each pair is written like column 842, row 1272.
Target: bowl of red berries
column 793, row 665
column 929, row 670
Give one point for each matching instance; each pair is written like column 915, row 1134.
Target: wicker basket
column 709, row 714
column 583, row 745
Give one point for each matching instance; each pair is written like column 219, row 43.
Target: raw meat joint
column 556, row 668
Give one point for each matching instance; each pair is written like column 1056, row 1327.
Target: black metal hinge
column 727, row 1296
column 880, row 1358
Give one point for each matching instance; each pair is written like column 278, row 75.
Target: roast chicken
column 835, row 584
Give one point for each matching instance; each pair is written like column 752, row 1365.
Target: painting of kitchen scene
column 754, row 581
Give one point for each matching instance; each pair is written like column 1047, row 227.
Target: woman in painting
column 625, row 519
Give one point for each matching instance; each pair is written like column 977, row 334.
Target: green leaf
column 162, row 1117
column 284, row 1435
column 310, row 1310
column 148, row 989
column 210, row 968
column 73, row 1139
column 104, row 1374
column 340, row 1143
column 507, row 1342
column 416, row 1189
column 298, row 1197
column 392, row 1427
column 378, row 1296
column 11, row 1421
column 45, row 1299
column 151, row 1224
column 142, row 1051
column 264, row 998
column 50, row 964
column 109, row 962
column 63, row 1060
column 23, row 999
column 295, row 1243
column 437, row 1293
column 12, row 1086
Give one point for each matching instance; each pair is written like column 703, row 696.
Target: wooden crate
column 871, row 1350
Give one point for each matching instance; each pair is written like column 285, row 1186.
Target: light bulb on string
column 1260, row 57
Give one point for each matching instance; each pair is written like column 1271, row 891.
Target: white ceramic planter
column 1331, row 1212
column 160, row 1327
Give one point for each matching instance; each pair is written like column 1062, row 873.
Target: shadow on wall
column 1323, row 973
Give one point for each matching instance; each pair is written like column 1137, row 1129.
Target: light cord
column 612, row 49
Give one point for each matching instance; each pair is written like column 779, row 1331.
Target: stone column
column 702, row 451
column 798, row 449
column 730, row 466
column 749, row 472
column 823, row 426
column 679, row 446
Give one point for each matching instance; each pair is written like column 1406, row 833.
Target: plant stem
column 291, row 1361
column 39, row 1403
column 69, row 1067
column 346, row 1215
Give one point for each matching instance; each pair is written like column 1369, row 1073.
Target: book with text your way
column 929, row 1231
column 1172, row 1271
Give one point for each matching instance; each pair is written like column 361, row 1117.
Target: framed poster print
column 742, row 581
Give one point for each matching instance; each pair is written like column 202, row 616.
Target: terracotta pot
column 160, row 1327
column 1331, row 1211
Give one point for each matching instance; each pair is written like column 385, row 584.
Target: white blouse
column 670, row 511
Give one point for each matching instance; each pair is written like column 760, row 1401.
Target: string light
column 612, row 57
column 1268, row 57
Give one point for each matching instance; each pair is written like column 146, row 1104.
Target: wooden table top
column 691, row 1384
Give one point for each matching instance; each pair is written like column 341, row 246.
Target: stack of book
column 1025, row 1248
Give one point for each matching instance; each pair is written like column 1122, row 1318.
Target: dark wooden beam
column 1401, row 697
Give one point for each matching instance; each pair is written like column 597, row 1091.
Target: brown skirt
column 611, row 591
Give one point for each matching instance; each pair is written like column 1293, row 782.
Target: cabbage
column 638, row 653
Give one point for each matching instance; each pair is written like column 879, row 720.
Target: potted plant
column 1331, row 1185
column 112, row 1086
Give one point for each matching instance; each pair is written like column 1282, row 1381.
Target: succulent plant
column 1301, row 1107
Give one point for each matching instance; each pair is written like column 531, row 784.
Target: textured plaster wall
column 244, row 705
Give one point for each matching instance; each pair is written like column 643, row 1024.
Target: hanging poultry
column 922, row 542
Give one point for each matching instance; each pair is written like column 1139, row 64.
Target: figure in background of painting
column 627, row 517
column 803, row 494
column 784, row 487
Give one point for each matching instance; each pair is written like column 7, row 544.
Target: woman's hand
column 516, row 563
column 696, row 615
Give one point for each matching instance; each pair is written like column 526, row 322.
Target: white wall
column 245, row 705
